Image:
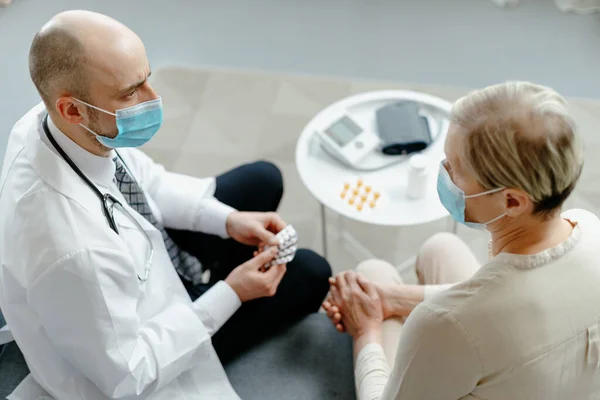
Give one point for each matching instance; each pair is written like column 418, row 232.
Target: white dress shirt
column 524, row 327
column 69, row 288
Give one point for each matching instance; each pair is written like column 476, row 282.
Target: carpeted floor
column 217, row 119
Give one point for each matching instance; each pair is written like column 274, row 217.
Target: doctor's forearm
column 211, row 217
column 216, row 306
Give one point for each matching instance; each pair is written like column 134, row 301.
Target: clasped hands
column 359, row 306
column 354, row 305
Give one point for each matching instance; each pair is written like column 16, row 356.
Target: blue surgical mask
column 137, row 124
column 453, row 199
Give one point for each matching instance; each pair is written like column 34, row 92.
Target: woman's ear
column 517, row 202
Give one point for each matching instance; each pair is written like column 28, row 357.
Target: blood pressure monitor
column 347, row 141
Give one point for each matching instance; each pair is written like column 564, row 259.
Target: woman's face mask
column 453, row 199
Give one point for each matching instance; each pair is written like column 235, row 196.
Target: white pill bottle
column 418, row 177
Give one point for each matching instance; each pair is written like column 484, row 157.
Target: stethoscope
column 108, row 201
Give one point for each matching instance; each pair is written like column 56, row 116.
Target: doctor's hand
column 254, row 228
column 250, row 282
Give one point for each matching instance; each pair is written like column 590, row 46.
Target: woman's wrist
column 405, row 298
column 371, row 334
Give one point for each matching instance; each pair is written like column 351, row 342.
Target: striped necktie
column 186, row 264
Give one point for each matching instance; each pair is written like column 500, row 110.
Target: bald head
column 72, row 49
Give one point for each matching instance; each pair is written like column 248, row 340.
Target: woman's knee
column 439, row 242
column 435, row 248
column 377, row 270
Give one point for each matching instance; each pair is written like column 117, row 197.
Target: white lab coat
column 69, row 290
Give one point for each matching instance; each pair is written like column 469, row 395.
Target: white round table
column 324, row 176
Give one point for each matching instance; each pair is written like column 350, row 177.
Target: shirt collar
column 100, row 170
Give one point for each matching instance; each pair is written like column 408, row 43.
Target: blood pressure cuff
column 402, row 129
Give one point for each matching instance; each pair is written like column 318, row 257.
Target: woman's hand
column 398, row 300
column 333, row 312
column 393, row 302
column 358, row 305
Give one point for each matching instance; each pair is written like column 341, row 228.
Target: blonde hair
column 520, row 135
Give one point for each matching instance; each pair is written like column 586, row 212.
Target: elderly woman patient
column 525, row 325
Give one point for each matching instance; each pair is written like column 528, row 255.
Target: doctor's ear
column 517, row 202
column 70, row 110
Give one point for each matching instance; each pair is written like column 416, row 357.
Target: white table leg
column 345, row 238
column 324, row 230
column 361, row 252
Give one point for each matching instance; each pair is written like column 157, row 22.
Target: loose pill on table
column 359, row 182
column 343, row 194
column 359, row 207
column 363, row 198
column 355, row 192
column 346, row 186
column 376, row 195
column 368, row 189
column 372, row 204
column 351, row 201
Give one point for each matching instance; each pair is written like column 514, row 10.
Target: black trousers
column 255, row 187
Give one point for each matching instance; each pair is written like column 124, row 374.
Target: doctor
column 98, row 244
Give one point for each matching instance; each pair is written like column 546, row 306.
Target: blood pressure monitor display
column 343, row 131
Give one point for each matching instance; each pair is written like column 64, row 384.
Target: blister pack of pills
column 288, row 238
